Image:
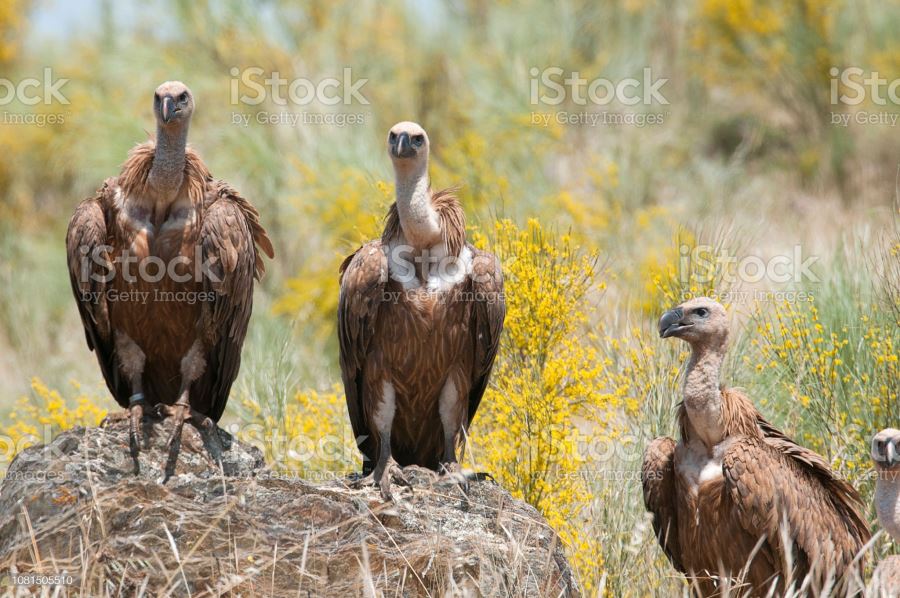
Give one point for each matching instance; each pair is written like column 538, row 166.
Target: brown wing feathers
column 229, row 245
column 658, row 482
column 86, row 233
column 363, row 275
column 487, row 326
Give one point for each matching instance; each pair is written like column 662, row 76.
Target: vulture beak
column 404, row 148
column 168, row 109
column 670, row 323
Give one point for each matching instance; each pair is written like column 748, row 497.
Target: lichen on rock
column 76, row 507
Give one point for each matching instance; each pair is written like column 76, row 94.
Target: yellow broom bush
column 39, row 416
column 551, row 390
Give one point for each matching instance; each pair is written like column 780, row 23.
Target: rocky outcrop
column 75, row 507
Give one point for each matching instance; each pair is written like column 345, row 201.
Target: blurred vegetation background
column 593, row 222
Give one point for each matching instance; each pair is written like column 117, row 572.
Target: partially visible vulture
column 736, row 504
column 419, row 321
column 162, row 261
column 886, row 455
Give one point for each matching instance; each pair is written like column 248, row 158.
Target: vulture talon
column 381, row 478
column 362, row 482
column 183, row 412
column 452, row 472
column 207, row 429
column 391, row 470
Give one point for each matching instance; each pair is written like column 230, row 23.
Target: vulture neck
column 167, row 172
column 419, row 220
column 887, row 501
column 702, row 393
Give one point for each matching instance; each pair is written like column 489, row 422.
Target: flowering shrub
column 352, row 213
column 38, row 417
column 310, row 436
column 836, row 383
column 551, row 390
column 688, row 267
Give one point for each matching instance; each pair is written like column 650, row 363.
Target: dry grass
column 248, row 531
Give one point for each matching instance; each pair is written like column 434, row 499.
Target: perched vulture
column 162, row 261
column 736, row 504
column 419, row 320
column 886, row 455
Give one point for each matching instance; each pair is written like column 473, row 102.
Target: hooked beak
column 168, row 109
column 404, row 148
column 670, row 323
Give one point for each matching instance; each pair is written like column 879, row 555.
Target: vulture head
column 886, row 455
column 408, row 145
column 886, row 450
column 173, row 104
column 698, row 321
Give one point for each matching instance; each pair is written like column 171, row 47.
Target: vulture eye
column 702, row 312
column 392, row 137
column 183, row 97
column 418, row 140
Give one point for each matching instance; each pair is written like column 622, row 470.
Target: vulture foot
column 182, row 412
column 452, row 472
column 381, row 478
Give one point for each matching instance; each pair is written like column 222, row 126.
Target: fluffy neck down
column 419, row 220
column 887, row 502
column 702, row 393
column 167, row 173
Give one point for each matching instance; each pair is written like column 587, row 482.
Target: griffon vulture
column 886, row 455
column 419, row 320
column 737, row 504
column 162, row 261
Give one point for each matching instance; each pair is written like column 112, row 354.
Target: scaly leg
column 136, row 404
column 181, row 411
column 453, row 410
column 385, row 468
column 131, row 362
column 192, row 367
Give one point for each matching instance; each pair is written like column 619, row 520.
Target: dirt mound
column 75, row 507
